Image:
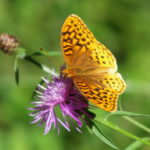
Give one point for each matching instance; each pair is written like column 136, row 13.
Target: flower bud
column 8, row 43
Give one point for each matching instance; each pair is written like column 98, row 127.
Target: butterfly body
column 90, row 65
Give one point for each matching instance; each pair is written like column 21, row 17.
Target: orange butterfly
column 91, row 65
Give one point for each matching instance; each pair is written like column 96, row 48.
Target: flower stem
column 113, row 126
column 43, row 67
column 137, row 124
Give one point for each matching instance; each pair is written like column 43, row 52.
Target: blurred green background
column 122, row 25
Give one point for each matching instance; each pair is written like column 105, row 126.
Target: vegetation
column 123, row 26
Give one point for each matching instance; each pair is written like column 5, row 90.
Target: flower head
column 59, row 92
column 8, row 43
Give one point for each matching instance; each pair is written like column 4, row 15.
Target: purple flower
column 59, row 92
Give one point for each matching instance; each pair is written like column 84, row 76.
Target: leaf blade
column 125, row 113
column 103, row 138
column 136, row 144
column 16, row 70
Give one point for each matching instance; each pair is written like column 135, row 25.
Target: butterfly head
column 68, row 72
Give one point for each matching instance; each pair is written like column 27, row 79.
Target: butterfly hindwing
column 103, row 93
column 113, row 81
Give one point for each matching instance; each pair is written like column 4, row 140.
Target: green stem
column 136, row 144
column 54, row 53
column 137, row 124
column 43, row 67
column 111, row 125
column 50, row 53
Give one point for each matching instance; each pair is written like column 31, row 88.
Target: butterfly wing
column 77, row 42
column 93, row 65
column 75, row 38
column 104, row 92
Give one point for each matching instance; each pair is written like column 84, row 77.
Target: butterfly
column 90, row 65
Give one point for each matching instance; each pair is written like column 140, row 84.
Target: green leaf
column 103, row 137
column 135, row 145
column 43, row 67
column 138, row 124
column 21, row 52
column 16, row 70
column 128, row 115
column 94, row 129
column 17, row 76
column 30, row 59
column 125, row 113
column 115, row 127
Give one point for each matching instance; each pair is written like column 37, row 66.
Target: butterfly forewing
column 103, row 57
column 75, row 39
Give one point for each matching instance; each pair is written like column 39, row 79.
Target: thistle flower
column 8, row 43
column 59, row 92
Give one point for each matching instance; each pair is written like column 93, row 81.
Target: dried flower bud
column 8, row 43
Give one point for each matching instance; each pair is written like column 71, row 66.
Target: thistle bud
column 8, row 43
